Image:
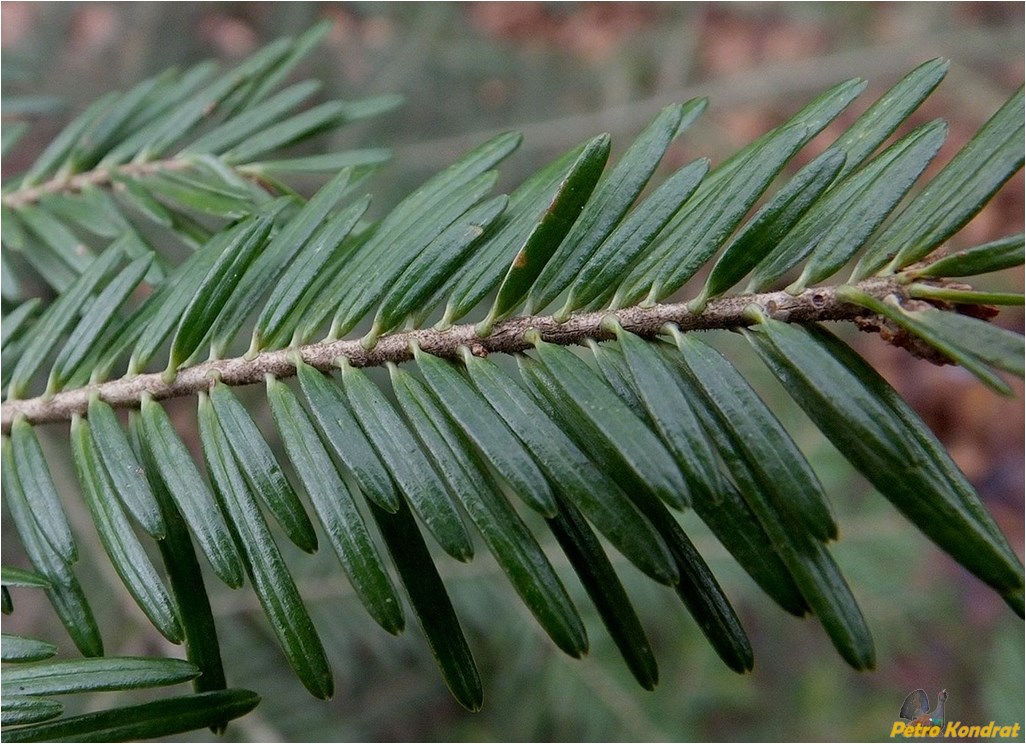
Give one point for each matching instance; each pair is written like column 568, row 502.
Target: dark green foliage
column 146, row 721
column 262, row 560
column 621, row 435
column 124, row 549
column 336, row 508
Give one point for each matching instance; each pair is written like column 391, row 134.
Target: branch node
column 611, row 323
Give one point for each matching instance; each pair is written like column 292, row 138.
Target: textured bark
column 507, row 337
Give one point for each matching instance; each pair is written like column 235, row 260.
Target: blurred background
column 561, row 72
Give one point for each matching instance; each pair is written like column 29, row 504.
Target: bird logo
column 916, row 709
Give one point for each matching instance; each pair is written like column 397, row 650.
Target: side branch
column 97, row 177
column 507, row 337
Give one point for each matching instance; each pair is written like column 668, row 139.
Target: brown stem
column 506, row 337
column 98, row 177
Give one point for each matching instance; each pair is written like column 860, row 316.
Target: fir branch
column 507, row 337
column 98, row 177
